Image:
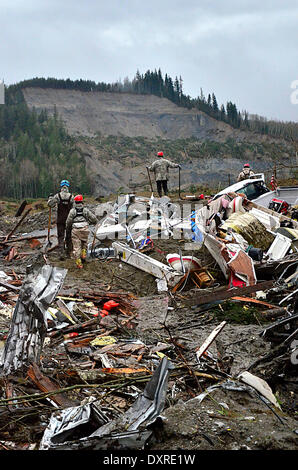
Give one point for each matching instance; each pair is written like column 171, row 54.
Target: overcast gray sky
column 242, row 50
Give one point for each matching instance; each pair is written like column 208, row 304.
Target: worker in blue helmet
column 64, row 201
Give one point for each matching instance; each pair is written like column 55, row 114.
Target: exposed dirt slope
column 87, row 113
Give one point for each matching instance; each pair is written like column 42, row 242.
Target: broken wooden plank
column 21, row 209
column 254, row 301
column 36, row 234
column 65, row 310
column 46, row 385
column 17, row 225
column 124, row 370
column 9, row 394
column 202, row 349
column 9, row 286
column 203, row 298
column 13, row 253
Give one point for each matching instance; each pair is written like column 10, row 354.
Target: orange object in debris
column 255, row 301
column 34, row 243
column 11, row 255
column 110, row 304
column 103, row 313
column 124, row 370
column 71, row 335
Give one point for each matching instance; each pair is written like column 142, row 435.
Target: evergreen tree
column 214, row 104
column 222, row 113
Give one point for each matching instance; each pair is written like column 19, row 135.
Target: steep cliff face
column 112, row 170
column 119, row 134
column 124, row 114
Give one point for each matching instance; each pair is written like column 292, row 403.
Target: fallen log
column 274, row 313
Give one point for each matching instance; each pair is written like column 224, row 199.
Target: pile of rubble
column 204, row 359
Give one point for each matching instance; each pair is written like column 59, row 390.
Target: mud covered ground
column 224, row 419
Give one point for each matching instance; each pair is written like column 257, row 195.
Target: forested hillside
column 35, row 152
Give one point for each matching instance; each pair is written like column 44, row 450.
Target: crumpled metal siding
column 29, row 326
column 129, row 431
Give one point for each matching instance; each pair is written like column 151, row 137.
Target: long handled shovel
column 94, row 237
column 150, row 179
column 180, row 197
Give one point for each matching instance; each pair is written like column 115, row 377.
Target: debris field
column 180, row 332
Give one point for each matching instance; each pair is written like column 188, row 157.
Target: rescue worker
column 161, row 172
column 245, row 173
column 64, row 202
column 77, row 224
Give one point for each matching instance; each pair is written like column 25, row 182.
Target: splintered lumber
column 46, row 385
column 75, row 328
column 124, row 370
column 123, row 299
column 17, row 225
column 202, row 349
column 203, row 298
column 65, row 310
column 254, row 301
column 9, row 394
column 21, row 209
column 23, row 238
column 9, row 286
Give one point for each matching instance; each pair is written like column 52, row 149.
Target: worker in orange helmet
column 160, row 167
column 246, row 173
column 77, row 224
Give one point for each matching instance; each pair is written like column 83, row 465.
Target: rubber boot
column 62, row 254
column 79, row 263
